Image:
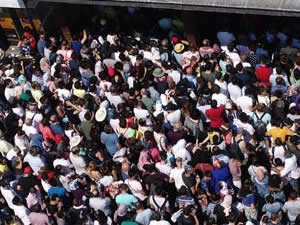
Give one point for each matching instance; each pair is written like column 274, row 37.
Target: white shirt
column 8, row 195
column 245, row 103
column 174, row 117
column 35, row 162
column 29, row 130
column 234, row 91
column 220, row 98
column 114, row 99
column 78, row 163
column 9, row 93
column 159, row 202
column 62, row 162
column 235, row 58
column 161, row 222
column 223, row 86
column 23, row 213
column 22, row 143
column 163, row 168
column 63, row 94
column 102, row 204
column 176, row 175
column 290, row 168
column 246, row 126
column 141, row 113
column 278, row 152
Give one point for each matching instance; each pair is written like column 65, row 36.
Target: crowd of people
column 129, row 129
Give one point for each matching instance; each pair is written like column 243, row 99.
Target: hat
column 131, row 133
column 101, row 114
column 228, row 105
column 188, row 168
column 175, row 40
column 27, row 170
column 292, row 105
column 179, row 48
column 158, row 72
column 178, row 159
column 75, row 140
column 111, row 71
column 156, row 55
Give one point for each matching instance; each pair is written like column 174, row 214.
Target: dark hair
column 270, row 199
column 214, row 104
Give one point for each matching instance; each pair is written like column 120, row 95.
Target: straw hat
column 179, row 47
column 75, row 140
column 101, row 114
column 158, row 72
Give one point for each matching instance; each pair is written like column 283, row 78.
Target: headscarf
column 227, row 204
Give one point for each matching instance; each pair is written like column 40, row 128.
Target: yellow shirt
column 279, row 133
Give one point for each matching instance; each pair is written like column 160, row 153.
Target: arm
column 84, row 38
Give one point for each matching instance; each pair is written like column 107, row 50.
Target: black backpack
column 259, row 127
column 235, row 150
column 162, row 210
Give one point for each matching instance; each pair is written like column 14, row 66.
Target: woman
column 135, row 185
column 160, row 138
column 46, row 131
column 263, row 96
column 65, row 51
column 194, row 123
column 110, row 140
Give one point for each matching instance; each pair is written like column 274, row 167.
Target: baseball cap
column 27, row 170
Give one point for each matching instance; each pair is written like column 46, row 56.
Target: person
column 291, row 207
column 124, row 198
column 215, row 115
column 143, row 216
column 110, row 140
column 119, row 127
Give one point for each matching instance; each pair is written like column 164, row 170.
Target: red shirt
column 216, row 116
column 263, row 74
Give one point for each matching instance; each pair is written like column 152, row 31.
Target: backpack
column 259, row 127
column 235, row 149
column 162, row 211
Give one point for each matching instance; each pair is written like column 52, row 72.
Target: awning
column 261, row 7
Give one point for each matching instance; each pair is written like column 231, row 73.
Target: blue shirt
column 41, row 46
column 110, row 141
column 57, row 129
column 76, row 46
column 249, row 200
column 221, row 174
column 60, row 191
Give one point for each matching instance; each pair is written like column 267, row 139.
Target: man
column 261, row 181
column 245, row 102
column 215, row 115
column 292, row 207
column 113, row 97
column 37, row 217
column 148, row 102
column 263, row 72
column 124, row 198
column 291, row 170
column 143, row 216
